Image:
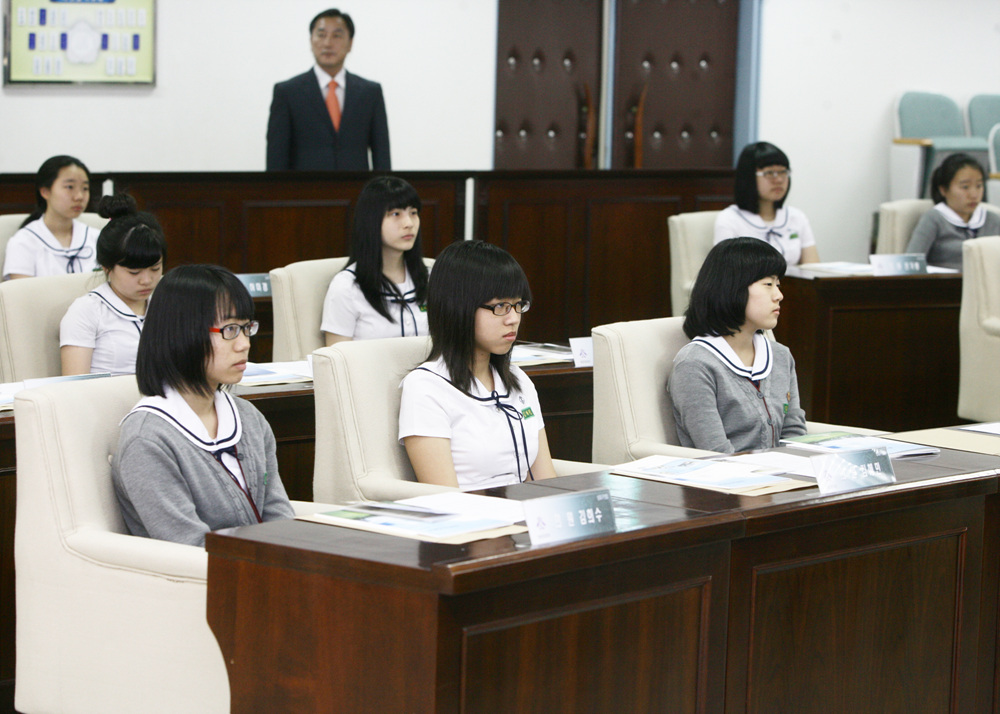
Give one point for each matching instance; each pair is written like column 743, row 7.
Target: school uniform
column 174, row 482
column 494, row 435
column 789, row 233
column 721, row 405
column 103, row 322
column 346, row 311
column 34, row 251
column 941, row 232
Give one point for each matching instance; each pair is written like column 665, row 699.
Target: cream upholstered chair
column 11, row 222
column 691, row 237
column 30, row 313
column 358, row 454
column 297, row 293
column 979, row 331
column 633, row 414
column 897, row 219
column 106, row 622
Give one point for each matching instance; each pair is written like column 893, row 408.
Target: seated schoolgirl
column 100, row 331
column 51, row 240
column 957, row 187
column 763, row 180
column 468, row 417
column 732, row 388
column 383, row 289
column 192, row 458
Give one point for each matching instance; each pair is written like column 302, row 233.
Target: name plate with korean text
column 554, row 519
column 899, row 264
column 852, row 470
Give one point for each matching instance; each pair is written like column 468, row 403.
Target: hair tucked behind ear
column 945, row 173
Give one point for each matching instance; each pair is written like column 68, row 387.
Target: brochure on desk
column 832, row 442
column 742, row 479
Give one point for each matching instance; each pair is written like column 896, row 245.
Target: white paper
column 780, row 461
column 583, row 351
column 991, row 428
column 470, row 505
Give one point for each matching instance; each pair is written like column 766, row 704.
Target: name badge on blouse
column 570, row 516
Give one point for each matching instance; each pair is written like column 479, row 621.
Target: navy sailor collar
column 75, row 250
column 107, row 295
column 763, row 358
column 175, row 411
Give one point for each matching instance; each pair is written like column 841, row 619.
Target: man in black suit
column 301, row 133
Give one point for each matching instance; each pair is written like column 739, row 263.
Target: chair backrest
column 30, row 312
column 10, row 223
column 358, row 455
column 924, row 114
column 691, row 237
column 297, row 293
column 994, row 150
column 632, row 361
column 984, row 114
column 979, row 330
column 896, row 221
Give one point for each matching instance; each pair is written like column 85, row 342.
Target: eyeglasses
column 232, row 331
column 772, row 175
column 504, row 308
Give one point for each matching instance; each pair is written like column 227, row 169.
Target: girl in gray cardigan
column 191, row 458
column 732, row 389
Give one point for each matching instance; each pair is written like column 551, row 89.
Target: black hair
column 466, row 275
column 945, row 173
column 379, row 196
column 334, row 12
column 719, row 297
column 176, row 346
column 47, row 174
column 753, row 158
column 132, row 239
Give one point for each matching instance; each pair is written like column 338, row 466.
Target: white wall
column 217, row 61
column 830, row 72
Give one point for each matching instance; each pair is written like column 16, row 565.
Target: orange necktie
column 332, row 105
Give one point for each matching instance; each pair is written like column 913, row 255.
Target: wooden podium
column 881, row 600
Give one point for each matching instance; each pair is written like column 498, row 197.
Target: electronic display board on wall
column 92, row 41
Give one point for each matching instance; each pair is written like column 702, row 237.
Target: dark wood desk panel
column 593, row 244
column 878, row 352
column 253, row 222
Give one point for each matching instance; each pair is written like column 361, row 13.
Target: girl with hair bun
column 100, row 331
column 958, row 190
column 382, row 291
column 51, row 240
column 468, row 417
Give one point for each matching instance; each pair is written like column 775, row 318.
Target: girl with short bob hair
column 763, row 178
column 731, row 387
column 468, row 417
column 958, row 190
column 51, row 240
column 383, row 290
column 100, row 331
column 192, row 458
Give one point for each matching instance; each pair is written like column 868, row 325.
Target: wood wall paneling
column 675, row 83
column 548, row 62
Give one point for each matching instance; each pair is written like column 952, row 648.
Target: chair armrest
column 392, row 488
column 145, row 556
column 568, row 468
column 307, row 508
column 991, row 325
column 818, row 427
column 642, row 449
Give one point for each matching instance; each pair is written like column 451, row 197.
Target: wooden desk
column 883, row 600
column 874, row 352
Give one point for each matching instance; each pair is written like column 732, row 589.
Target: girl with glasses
column 958, row 190
column 383, row 290
column 100, row 331
column 468, row 417
column 731, row 387
column 763, row 179
column 192, row 458
column 51, row 240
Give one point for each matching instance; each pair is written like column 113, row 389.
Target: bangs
column 506, row 280
column 764, row 264
column 141, row 247
column 402, row 195
column 770, row 155
column 232, row 304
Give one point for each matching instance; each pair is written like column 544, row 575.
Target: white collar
column 78, row 247
column 110, row 298
column 175, row 411
column 754, row 219
column 762, row 358
column 324, row 78
column 976, row 221
column 479, row 391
